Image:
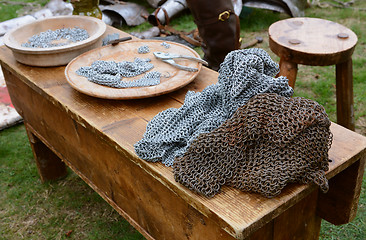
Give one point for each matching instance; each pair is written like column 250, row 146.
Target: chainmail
column 143, row 49
column 110, row 73
column 269, row 142
column 44, row 39
column 165, row 44
column 242, row 75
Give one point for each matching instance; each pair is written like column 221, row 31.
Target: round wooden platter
column 172, row 78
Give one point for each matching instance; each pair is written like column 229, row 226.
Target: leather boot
column 218, row 27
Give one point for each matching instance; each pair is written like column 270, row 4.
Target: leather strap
column 183, row 35
column 167, row 19
column 171, row 30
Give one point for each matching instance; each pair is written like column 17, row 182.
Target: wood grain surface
column 317, row 42
column 311, row 41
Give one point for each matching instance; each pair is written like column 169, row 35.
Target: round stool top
column 311, row 41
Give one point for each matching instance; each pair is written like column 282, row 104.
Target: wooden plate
column 172, row 77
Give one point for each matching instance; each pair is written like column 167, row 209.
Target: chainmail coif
column 242, row 75
column 268, row 143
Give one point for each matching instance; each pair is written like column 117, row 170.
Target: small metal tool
column 169, row 58
column 116, row 41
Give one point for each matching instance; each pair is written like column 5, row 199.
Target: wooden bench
column 95, row 137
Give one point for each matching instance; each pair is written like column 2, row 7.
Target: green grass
column 32, row 210
column 14, row 8
column 355, row 230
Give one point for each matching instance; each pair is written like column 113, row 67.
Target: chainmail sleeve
column 269, row 142
column 242, row 75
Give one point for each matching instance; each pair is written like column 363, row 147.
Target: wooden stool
column 317, row 42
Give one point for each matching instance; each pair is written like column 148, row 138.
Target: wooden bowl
column 54, row 56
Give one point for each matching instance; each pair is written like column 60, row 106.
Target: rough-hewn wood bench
column 95, row 138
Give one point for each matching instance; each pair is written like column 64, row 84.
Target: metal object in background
column 238, row 5
column 130, row 13
column 294, row 8
column 172, row 7
column 169, row 58
column 166, row 11
column 155, row 3
column 150, row 33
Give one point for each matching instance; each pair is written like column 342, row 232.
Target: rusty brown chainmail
column 268, row 143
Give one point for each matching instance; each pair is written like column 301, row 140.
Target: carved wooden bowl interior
column 54, row 56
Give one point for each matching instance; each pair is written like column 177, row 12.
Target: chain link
column 110, row 73
column 269, row 142
column 242, row 75
column 45, row 39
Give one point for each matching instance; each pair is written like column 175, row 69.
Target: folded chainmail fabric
column 269, row 142
column 242, row 75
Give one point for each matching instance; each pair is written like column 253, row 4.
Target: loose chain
column 45, row 39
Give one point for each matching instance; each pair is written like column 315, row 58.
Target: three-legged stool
column 317, row 42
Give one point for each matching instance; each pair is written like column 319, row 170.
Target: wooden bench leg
column 344, row 90
column 339, row 204
column 298, row 222
column 289, row 70
column 49, row 165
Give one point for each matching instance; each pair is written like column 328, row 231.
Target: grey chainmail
column 45, row 39
column 143, row 49
column 165, row 44
column 242, row 75
column 269, row 142
column 110, row 73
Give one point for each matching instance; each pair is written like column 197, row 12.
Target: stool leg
column 289, row 70
column 344, row 91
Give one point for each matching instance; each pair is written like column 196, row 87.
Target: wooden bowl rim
column 14, row 46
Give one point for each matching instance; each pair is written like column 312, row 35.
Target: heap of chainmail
column 46, row 39
column 242, row 75
column 143, row 49
column 110, row 73
column 269, row 142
